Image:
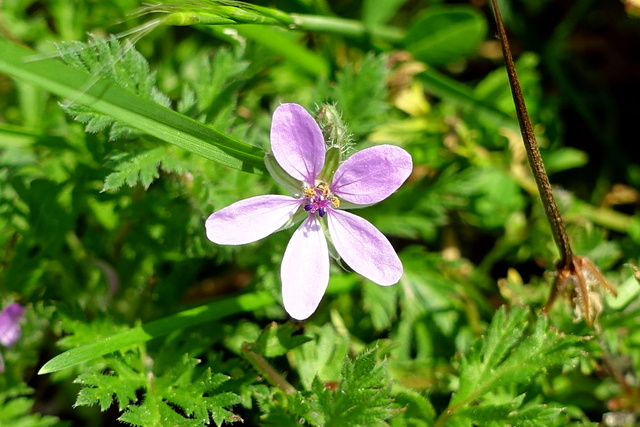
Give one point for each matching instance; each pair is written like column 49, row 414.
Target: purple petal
column 297, row 142
column 250, row 219
column 305, row 270
column 10, row 319
column 364, row 248
column 372, row 175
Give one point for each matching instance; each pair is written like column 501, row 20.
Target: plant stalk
column 346, row 27
column 533, row 152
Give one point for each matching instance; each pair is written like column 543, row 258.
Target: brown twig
column 575, row 275
column 533, row 152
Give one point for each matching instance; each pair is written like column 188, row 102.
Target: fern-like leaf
column 183, row 395
column 509, row 355
column 360, row 95
column 361, row 398
column 142, row 167
column 121, row 64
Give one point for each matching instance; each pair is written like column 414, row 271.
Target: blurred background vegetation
column 102, row 229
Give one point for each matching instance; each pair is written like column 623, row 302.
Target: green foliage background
column 112, row 155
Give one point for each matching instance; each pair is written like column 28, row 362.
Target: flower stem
column 346, row 27
column 215, row 13
column 266, row 370
column 533, row 152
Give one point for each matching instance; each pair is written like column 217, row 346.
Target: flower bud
column 334, row 130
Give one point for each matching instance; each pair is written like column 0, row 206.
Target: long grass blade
column 126, row 107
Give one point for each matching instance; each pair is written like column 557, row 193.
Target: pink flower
column 365, row 178
column 10, row 331
column 10, row 319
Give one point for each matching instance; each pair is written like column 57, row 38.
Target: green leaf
column 321, row 356
column 124, row 66
column 417, row 410
column 358, row 395
column 363, row 395
column 17, row 407
column 496, row 196
column 494, row 88
column 275, row 340
column 382, row 304
column 179, row 395
column 289, row 409
column 132, row 168
column 512, row 413
column 375, row 12
column 460, row 94
column 120, row 104
column 287, row 45
column 359, row 94
column 139, row 334
column 441, row 35
column 564, row 158
column 508, row 356
column 216, row 79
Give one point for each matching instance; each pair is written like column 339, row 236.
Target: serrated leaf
column 216, row 78
column 537, row 415
column 360, row 95
column 507, row 356
column 143, row 168
column 291, row 408
column 361, row 398
column 122, row 64
column 178, row 396
column 512, row 413
column 417, row 410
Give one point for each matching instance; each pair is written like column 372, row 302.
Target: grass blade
column 147, row 116
column 157, row 328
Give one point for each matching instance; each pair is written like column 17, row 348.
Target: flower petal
column 250, row 219
column 297, row 142
column 305, row 270
column 10, row 319
column 372, row 175
column 364, row 248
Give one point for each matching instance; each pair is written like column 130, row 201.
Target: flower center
column 319, row 198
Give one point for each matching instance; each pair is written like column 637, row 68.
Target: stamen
column 324, row 188
column 319, row 199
